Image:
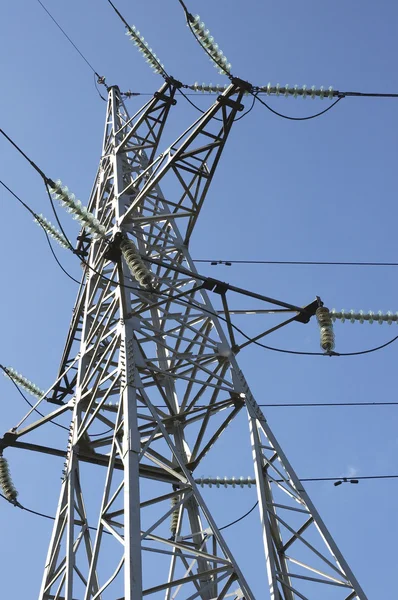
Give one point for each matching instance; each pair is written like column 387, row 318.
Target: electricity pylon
column 148, row 360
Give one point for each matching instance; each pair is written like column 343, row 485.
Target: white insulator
column 79, row 212
column 326, row 328
column 207, row 87
column 174, row 516
column 296, row 91
column 147, row 52
column 225, row 481
column 361, row 317
column 134, row 262
column 6, row 483
column 207, row 41
column 51, row 230
column 29, row 386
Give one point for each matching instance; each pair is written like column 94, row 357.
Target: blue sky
column 318, row 190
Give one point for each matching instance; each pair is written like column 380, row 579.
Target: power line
column 240, row 518
column 216, row 118
column 72, row 43
column 253, row 90
column 307, row 479
column 46, row 234
column 298, row 405
column 229, row 263
column 192, row 304
column 26, row 157
column 57, row 218
column 324, row 404
column 299, row 118
column 184, row 271
column 5, row 370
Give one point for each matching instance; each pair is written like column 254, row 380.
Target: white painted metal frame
column 155, row 368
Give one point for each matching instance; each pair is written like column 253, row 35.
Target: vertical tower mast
column 152, row 383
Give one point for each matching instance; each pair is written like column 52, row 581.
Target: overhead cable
column 230, row 262
column 45, row 232
column 143, row 47
column 310, row 479
column 4, row 369
column 251, row 340
column 275, row 112
column 371, row 317
column 201, row 35
column 100, row 78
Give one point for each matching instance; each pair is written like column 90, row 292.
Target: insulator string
column 6, row 483
column 326, row 328
column 362, row 317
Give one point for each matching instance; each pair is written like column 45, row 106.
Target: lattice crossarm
column 192, row 159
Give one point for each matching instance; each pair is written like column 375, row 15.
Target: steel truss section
column 154, row 372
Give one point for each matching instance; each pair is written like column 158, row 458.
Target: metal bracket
column 308, row 312
column 231, row 103
column 218, row 287
column 113, row 253
column 244, row 85
column 7, row 440
column 160, row 96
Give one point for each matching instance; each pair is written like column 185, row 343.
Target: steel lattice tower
column 148, row 360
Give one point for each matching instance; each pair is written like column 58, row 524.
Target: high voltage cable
column 100, row 78
column 329, row 404
column 306, row 479
column 6, row 371
column 186, row 272
column 246, row 514
column 229, row 263
column 192, row 24
column 159, row 68
column 300, row 405
column 212, row 313
column 319, row 114
column 46, row 234
column 69, row 39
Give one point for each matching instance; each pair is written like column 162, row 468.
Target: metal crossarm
column 152, row 383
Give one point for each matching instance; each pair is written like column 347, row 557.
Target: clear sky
column 317, row 190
